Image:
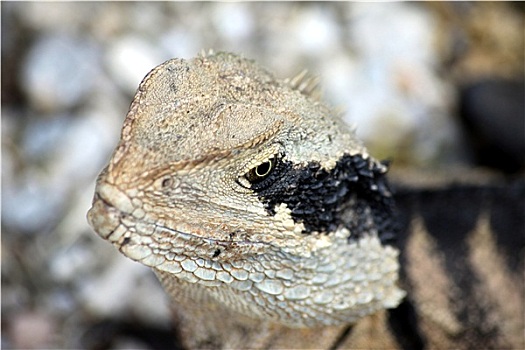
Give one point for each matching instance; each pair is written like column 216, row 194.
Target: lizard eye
column 261, row 171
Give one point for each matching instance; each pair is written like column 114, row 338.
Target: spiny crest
column 209, row 52
column 306, row 84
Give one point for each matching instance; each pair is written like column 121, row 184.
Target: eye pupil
column 264, row 169
column 261, row 171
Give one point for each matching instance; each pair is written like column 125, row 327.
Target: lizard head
column 226, row 177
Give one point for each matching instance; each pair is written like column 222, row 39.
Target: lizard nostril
column 167, row 182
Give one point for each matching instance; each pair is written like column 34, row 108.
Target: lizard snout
column 106, row 212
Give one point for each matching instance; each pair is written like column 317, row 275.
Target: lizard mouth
column 115, row 219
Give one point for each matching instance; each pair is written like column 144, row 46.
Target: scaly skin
column 245, row 190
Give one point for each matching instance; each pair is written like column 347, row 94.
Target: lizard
column 259, row 210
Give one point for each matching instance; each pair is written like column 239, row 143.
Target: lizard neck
column 338, row 283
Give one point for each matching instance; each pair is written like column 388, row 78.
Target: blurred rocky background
column 435, row 86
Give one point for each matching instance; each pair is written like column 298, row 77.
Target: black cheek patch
column 354, row 194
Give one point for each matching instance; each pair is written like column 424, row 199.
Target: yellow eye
column 261, row 171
